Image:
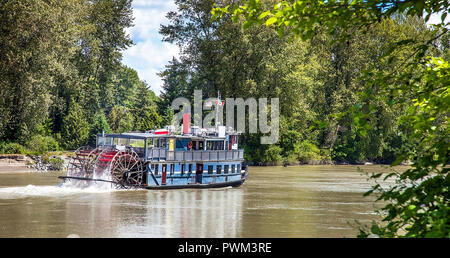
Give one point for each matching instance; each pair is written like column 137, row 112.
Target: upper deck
column 165, row 145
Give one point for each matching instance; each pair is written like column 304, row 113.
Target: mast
column 218, row 103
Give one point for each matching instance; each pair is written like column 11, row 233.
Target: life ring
column 189, row 145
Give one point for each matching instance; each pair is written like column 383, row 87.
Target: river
column 297, row 201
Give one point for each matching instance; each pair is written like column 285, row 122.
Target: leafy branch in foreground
column 417, row 205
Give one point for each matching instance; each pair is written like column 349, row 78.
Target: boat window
column 182, row 168
column 121, row 141
column 156, row 169
column 137, row 143
column 190, row 168
column 214, row 145
column 172, row 168
column 108, row 141
column 160, row 143
column 200, row 145
column 219, row 169
column 210, row 169
column 238, row 168
column 124, row 141
column 100, row 141
column 225, row 169
column 233, row 169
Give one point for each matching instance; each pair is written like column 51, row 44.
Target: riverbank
column 324, row 163
column 10, row 163
column 21, row 163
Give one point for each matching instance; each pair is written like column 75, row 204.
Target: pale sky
column 149, row 54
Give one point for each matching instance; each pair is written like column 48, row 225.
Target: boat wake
column 48, row 191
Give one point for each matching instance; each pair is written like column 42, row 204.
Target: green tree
column 175, row 84
column 75, row 128
column 98, row 58
column 36, row 43
column 100, row 125
column 115, row 115
column 126, row 123
column 145, row 109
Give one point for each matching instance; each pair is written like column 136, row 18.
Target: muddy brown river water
column 299, row 201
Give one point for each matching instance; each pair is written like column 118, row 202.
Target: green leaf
column 418, row 6
column 375, row 229
column 398, row 160
column 411, row 207
column 264, row 14
column 362, row 132
column 280, row 32
column 271, row 21
column 368, row 192
column 443, row 16
column 376, row 175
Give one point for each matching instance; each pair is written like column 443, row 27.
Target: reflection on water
column 275, row 202
column 181, row 213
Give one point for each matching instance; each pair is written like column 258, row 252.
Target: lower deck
column 234, row 183
column 189, row 174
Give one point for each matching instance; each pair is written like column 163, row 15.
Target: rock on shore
column 11, row 163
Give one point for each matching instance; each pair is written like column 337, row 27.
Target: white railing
column 195, row 155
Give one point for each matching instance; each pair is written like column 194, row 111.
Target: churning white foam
column 48, row 191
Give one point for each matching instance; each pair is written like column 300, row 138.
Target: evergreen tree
column 145, row 109
column 100, row 125
column 75, row 128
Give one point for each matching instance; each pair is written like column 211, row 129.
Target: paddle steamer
column 192, row 157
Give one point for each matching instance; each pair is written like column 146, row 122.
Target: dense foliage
column 409, row 81
column 317, row 79
column 61, row 75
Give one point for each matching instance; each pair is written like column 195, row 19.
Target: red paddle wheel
column 82, row 162
column 124, row 168
column 127, row 169
column 103, row 163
